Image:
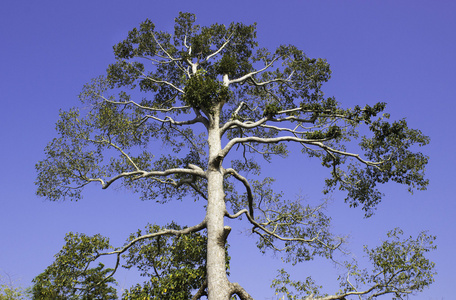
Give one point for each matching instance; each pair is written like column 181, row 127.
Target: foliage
column 217, row 102
column 69, row 276
column 399, row 268
column 174, row 266
column 8, row 290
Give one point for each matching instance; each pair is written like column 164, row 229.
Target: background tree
column 10, row 291
column 219, row 102
column 173, row 266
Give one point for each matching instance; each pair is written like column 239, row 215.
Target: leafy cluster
column 173, row 266
column 203, row 92
column 70, row 277
column 9, row 291
column 399, row 267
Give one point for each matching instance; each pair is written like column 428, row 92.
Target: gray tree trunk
column 218, row 286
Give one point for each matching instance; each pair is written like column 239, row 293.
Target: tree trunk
column 218, row 286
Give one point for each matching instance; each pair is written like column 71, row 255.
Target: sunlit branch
column 144, row 174
column 269, row 81
column 255, row 139
column 251, row 74
column 218, row 51
column 105, row 141
column 238, row 109
column 163, row 82
column 144, row 107
column 164, row 51
column 317, row 143
column 295, row 119
column 167, row 119
column 239, row 124
column 285, row 129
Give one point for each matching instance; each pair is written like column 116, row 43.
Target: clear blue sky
column 399, row 52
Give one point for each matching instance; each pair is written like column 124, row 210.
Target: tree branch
column 251, row 74
column 246, row 125
column 144, row 174
column 246, row 184
column 237, row 289
column 317, row 143
column 218, row 51
column 260, row 226
column 201, row 291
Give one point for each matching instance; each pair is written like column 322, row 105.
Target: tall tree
column 220, row 102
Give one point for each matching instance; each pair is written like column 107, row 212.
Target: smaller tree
column 174, row 265
column 70, row 275
column 399, row 268
column 9, row 291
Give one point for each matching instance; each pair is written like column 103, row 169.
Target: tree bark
column 218, row 286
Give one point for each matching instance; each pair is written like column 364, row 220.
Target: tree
column 220, row 103
column 69, row 276
column 9, row 291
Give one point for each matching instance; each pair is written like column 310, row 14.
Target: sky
column 398, row 52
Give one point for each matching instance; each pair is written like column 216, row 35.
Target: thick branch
column 246, row 125
column 201, row 291
column 237, row 289
column 218, row 51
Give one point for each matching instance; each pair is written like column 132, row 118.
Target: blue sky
column 399, row 52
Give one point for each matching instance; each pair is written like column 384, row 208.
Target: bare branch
column 167, row 119
column 161, row 47
column 145, row 107
column 144, row 174
column 271, row 233
column 163, row 82
column 220, row 49
column 251, row 74
column 246, row 184
column 246, row 125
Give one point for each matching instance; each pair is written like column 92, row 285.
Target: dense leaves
column 70, row 275
column 174, row 267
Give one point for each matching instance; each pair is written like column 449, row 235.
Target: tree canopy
column 220, row 104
